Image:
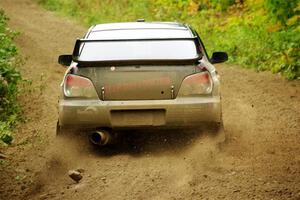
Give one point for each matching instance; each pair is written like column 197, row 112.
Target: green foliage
column 9, row 78
column 260, row 34
column 289, row 48
column 282, row 10
column 222, row 4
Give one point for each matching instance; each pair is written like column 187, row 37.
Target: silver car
column 139, row 75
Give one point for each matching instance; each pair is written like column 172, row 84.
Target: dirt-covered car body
column 129, row 75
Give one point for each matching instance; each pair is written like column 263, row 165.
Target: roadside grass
column 10, row 111
column 264, row 35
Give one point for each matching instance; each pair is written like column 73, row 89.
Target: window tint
column 139, row 50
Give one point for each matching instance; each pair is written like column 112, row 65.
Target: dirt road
column 260, row 160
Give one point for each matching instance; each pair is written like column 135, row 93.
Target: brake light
column 200, row 83
column 78, row 86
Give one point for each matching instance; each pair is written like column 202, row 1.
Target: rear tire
column 217, row 132
column 58, row 129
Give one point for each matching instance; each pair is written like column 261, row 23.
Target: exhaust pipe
column 101, row 137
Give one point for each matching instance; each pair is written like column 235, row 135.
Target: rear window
column 139, row 50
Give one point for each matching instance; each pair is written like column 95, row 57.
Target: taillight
column 200, row 83
column 78, row 86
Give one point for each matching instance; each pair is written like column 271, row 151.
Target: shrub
column 9, row 79
column 282, row 10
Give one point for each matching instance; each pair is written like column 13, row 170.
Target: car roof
column 140, row 30
column 140, row 25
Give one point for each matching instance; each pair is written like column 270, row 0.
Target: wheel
column 58, row 129
column 61, row 131
column 216, row 130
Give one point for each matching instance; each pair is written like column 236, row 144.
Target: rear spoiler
column 80, row 42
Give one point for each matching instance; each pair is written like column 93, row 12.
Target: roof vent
column 140, row 20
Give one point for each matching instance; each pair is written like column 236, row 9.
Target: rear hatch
column 137, row 82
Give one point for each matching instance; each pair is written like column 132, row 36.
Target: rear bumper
column 179, row 112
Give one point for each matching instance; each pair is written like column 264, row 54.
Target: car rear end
column 141, row 81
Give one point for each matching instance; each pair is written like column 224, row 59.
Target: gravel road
column 259, row 160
